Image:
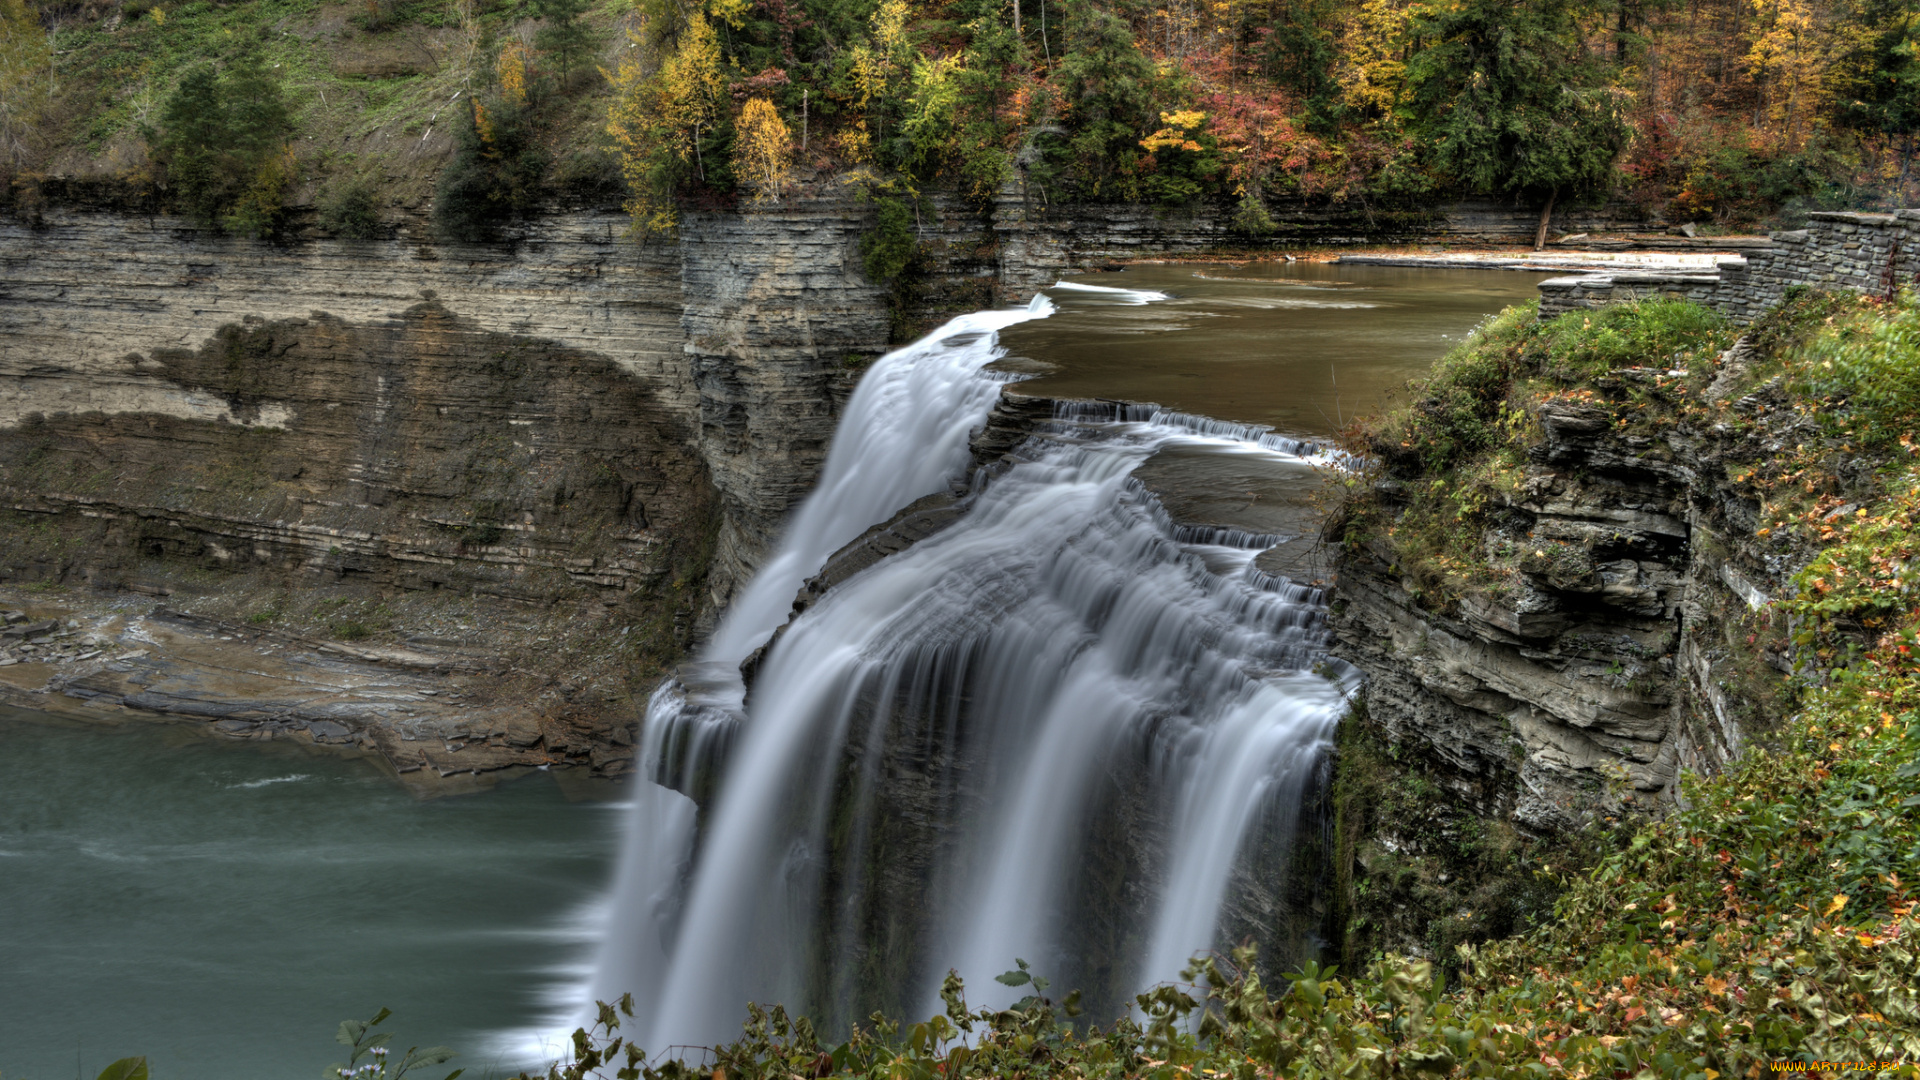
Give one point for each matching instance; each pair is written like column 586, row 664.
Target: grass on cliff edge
column 1446, row 466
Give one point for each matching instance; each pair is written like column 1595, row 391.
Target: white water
column 938, row 755
column 904, row 436
column 1122, row 296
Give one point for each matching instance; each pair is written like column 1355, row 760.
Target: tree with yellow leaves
column 1372, row 65
column 882, row 69
column 1792, row 61
column 662, row 121
column 512, row 72
column 762, row 148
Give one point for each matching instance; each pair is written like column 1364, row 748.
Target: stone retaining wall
column 1862, row 252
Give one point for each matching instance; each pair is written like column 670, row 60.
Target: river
column 220, row 907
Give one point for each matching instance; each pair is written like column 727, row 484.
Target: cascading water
column 904, row 435
column 1047, row 731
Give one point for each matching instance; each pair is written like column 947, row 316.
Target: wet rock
column 523, row 731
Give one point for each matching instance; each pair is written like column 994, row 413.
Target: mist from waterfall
column 1048, row 731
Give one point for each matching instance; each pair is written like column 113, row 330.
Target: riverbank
column 442, row 715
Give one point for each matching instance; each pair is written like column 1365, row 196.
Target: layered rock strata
column 1873, row 253
column 1606, row 664
column 488, row 449
column 778, row 320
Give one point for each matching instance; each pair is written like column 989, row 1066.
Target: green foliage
column 494, row 177
column 131, row 1068
column 1779, row 898
column 1871, row 359
column 1507, row 100
column 351, row 211
column 362, row 1042
column 888, row 248
column 1251, row 216
column 1465, row 407
column 1302, row 55
column 222, row 138
column 891, row 254
column 1360, row 104
column 1652, row 333
column 1887, row 90
column 1108, row 87
column 564, row 36
column 1632, row 1009
column 1738, row 178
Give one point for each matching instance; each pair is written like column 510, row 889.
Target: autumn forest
column 1726, row 113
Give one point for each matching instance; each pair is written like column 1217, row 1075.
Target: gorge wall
column 1627, row 634
column 557, row 454
column 559, row 439
column 743, row 337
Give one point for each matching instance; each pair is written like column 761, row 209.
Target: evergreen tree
column 1301, row 55
column 564, row 36
column 221, row 137
column 1109, row 85
column 495, row 173
column 1507, row 102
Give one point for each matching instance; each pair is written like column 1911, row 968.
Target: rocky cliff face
column 778, row 321
column 1633, row 642
column 508, row 422
column 495, row 454
column 1543, row 700
column 740, row 335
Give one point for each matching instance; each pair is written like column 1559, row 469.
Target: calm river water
column 220, row 907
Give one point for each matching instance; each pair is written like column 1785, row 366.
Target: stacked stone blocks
column 1862, row 252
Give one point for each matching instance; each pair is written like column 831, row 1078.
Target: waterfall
column 904, row 435
column 1047, row 731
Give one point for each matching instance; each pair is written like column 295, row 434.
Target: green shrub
column 1871, row 360
column 494, row 177
column 352, row 212
column 223, row 141
column 890, row 246
column 1251, row 216
column 1652, row 333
